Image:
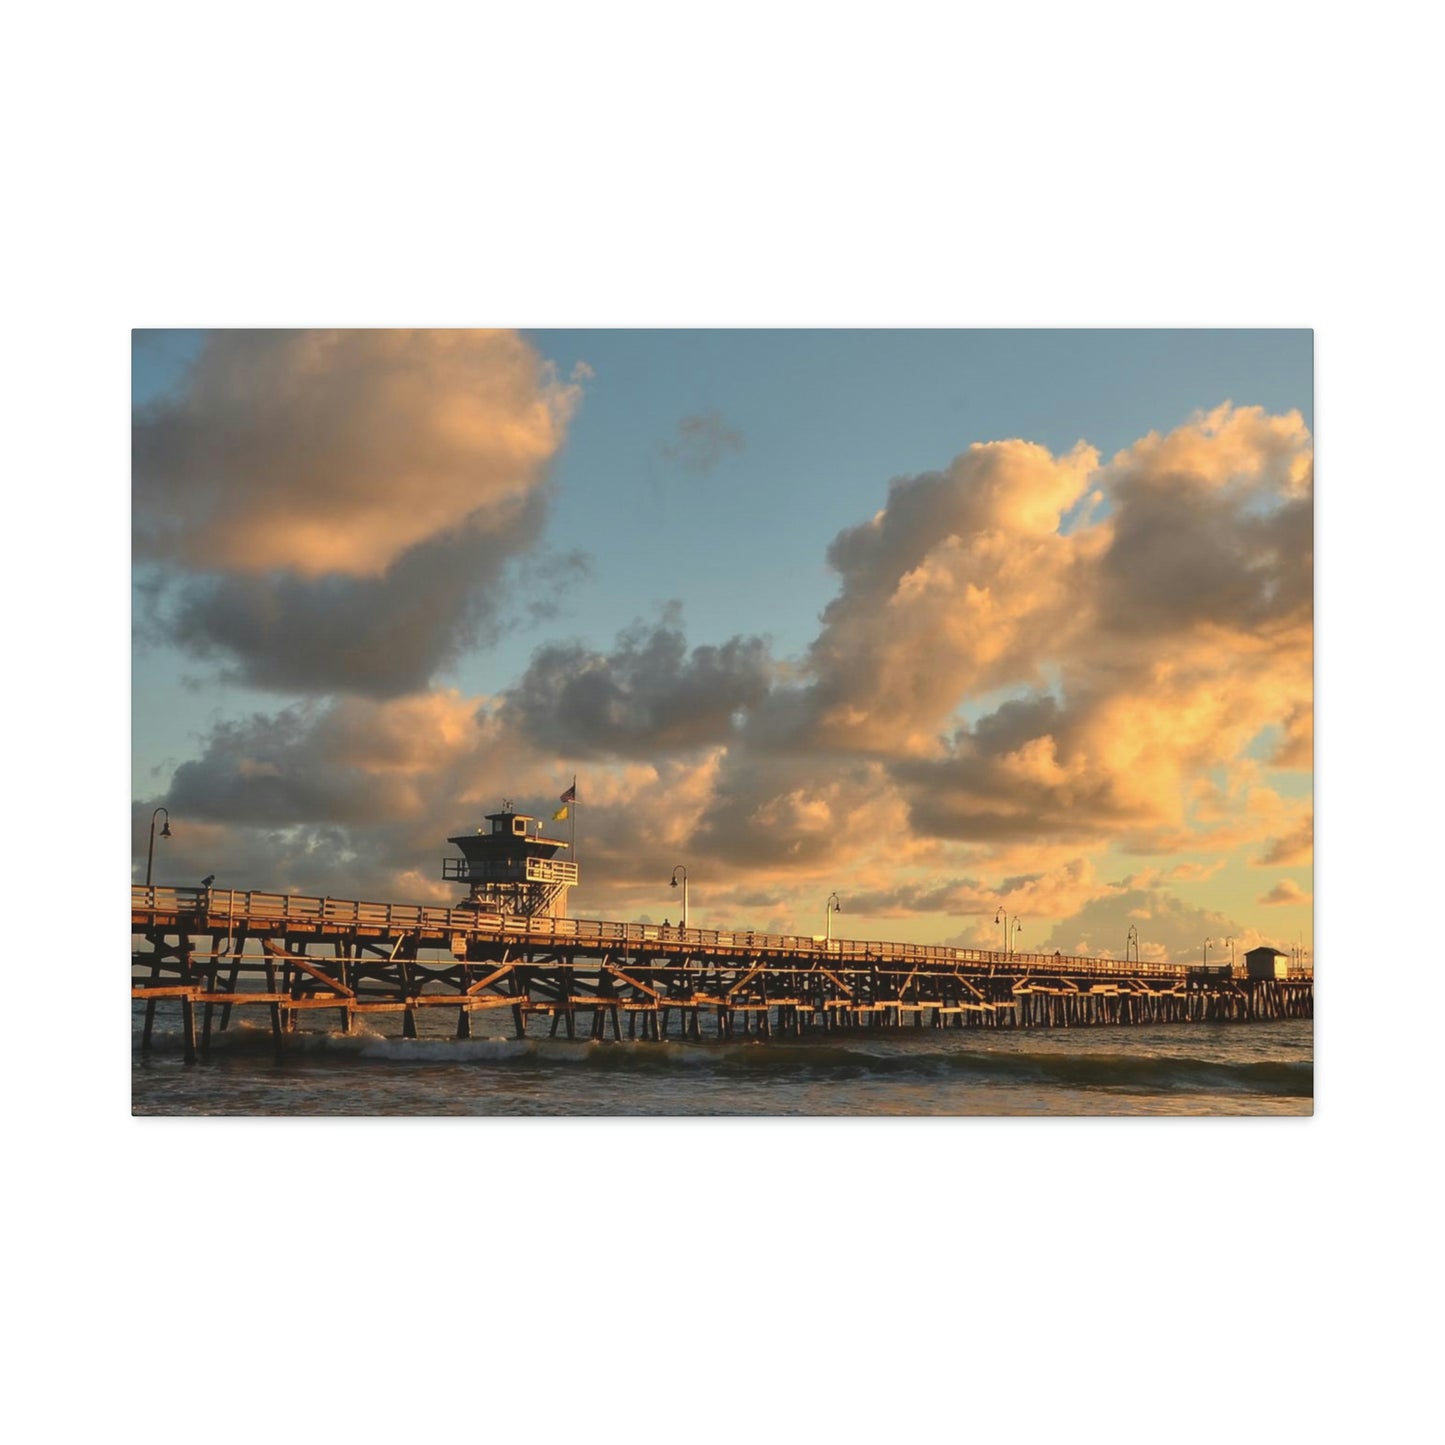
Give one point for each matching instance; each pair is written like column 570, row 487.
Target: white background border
column 787, row 165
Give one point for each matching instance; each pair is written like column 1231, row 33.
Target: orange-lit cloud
column 962, row 584
column 1286, row 891
column 1294, row 848
column 1296, row 748
column 332, row 511
column 324, row 452
column 1188, row 635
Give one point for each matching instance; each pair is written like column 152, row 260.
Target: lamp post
column 1230, row 942
column 1132, row 941
column 165, row 833
column 832, row 907
column 1018, row 923
column 1002, row 917
column 683, row 871
column 1207, row 942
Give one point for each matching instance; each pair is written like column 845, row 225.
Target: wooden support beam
column 188, row 1026
column 491, row 978
column 637, row 983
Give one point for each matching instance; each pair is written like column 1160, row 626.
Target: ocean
column 1173, row 1069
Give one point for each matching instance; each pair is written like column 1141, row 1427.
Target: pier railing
column 228, row 909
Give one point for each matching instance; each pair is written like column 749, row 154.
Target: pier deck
column 214, row 950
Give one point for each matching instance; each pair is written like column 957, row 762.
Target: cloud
column 323, row 452
column 1286, row 891
column 790, row 815
column 1001, row 694
column 648, row 696
column 1296, row 847
column 1132, row 653
column 1296, row 748
column 702, row 442
column 379, row 636
column 352, row 762
column 1229, row 449
column 962, row 584
column 1212, row 526
column 1168, row 929
column 1195, row 872
column 1044, row 894
column 309, row 859
column 326, row 511
column 356, row 797
column 954, row 896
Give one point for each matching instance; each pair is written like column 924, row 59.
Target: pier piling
column 372, row 958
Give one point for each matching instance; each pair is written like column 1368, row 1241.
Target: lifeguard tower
column 512, row 868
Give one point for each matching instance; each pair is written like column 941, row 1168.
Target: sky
column 961, row 625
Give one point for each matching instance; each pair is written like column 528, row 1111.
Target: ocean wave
column 1081, row 1069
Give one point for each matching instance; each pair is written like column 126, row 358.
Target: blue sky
column 828, row 418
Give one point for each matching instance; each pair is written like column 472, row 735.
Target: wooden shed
column 1266, row 963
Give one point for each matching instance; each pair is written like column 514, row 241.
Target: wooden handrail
column 235, row 906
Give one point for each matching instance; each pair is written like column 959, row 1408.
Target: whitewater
column 1174, row 1069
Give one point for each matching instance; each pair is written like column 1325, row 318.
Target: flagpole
column 574, row 820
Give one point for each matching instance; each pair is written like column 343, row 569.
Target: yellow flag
column 560, row 814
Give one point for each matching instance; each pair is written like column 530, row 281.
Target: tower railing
column 509, row 870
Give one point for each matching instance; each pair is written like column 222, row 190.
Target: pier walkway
column 215, row 950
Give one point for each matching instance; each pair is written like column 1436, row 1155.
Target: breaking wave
column 1140, row 1072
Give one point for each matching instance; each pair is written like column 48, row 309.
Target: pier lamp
column 1002, row 917
column 1018, row 923
column 683, row 871
column 832, row 907
column 1207, row 942
column 1230, row 942
column 165, row 833
column 1133, row 939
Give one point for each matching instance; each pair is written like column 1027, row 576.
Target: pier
column 212, row 951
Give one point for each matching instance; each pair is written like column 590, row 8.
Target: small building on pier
column 512, row 868
column 1266, row 963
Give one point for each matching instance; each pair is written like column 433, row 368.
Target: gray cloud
column 795, row 813
column 350, row 797
column 311, row 858
column 1184, row 553
column 648, row 696
column 953, row 896
column 702, row 442
column 281, row 771
column 973, row 794
column 376, row 636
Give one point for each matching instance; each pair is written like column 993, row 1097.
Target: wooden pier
column 212, row 951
